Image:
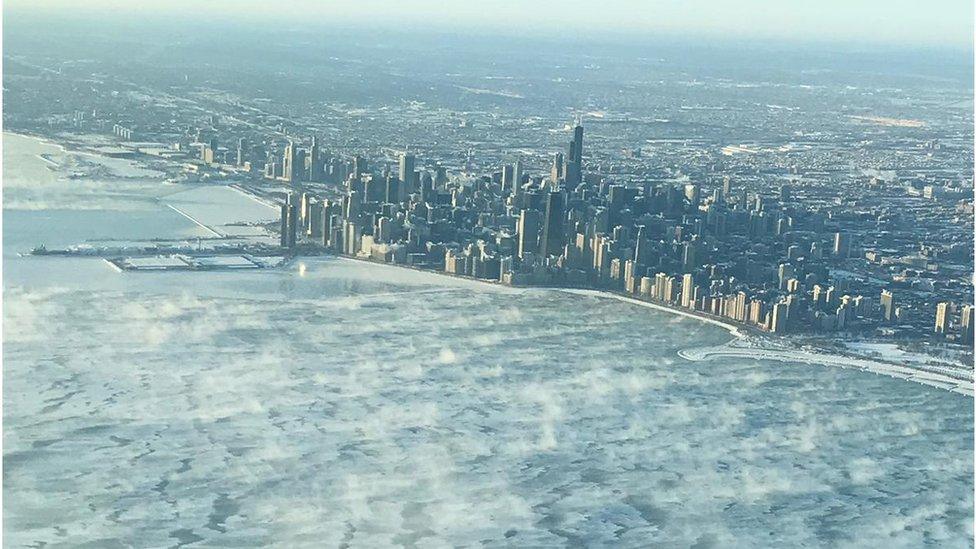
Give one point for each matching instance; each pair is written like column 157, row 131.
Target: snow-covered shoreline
column 925, row 377
column 745, row 346
column 89, row 153
column 734, row 330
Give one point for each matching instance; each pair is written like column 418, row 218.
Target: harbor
column 179, row 262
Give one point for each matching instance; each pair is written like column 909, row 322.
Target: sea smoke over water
column 252, row 408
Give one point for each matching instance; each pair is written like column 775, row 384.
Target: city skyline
column 611, row 249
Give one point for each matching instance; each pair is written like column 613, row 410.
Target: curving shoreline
column 734, row 330
column 758, row 348
column 925, row 377
column 81, row 150
column 750, row 346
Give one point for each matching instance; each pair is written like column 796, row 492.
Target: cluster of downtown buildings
column 788, row 208
column 763, row 261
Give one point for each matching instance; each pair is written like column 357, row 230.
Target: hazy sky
column 942, row 23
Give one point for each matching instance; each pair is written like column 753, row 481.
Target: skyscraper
column 312, row 161
column 329, row 215
column 384, row 230
column 793, row 253
column 289, row 222
column 616, row 198
column 942, row 317
column 718, row 196
column 426, row 188
column 966, row 321
column 394, row 190
column 407, row 168
column 359, row 167
column 671, row 289
column 631, row 279
column 352, row 238
column 242, row 155
column 573, row 172
column 283, row 225
column 691, row 254
column 353, row 205
column 314, row 221
column 786, row 272
column 305, row 208
column 528, row 232
column 288, row 163
column 440, row 176
column 888, row 305
column 842, row 245
column 601, row 254
column 507, row 173
column 641, row 248
column 578, row 142
column 517, row 177
column 693, row 194
column 556, row 171
column 553, row 239
column 687, row 290
column 819, row 295
column 777, row 322
column 756, row 311
column 739, row 312
column 792, row 285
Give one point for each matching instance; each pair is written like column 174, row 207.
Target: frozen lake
column 223, row 209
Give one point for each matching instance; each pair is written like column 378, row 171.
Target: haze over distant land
column 939, row 24
column 226, row 40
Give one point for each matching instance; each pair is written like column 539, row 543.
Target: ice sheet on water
column 348, row 405
column 220, row 205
